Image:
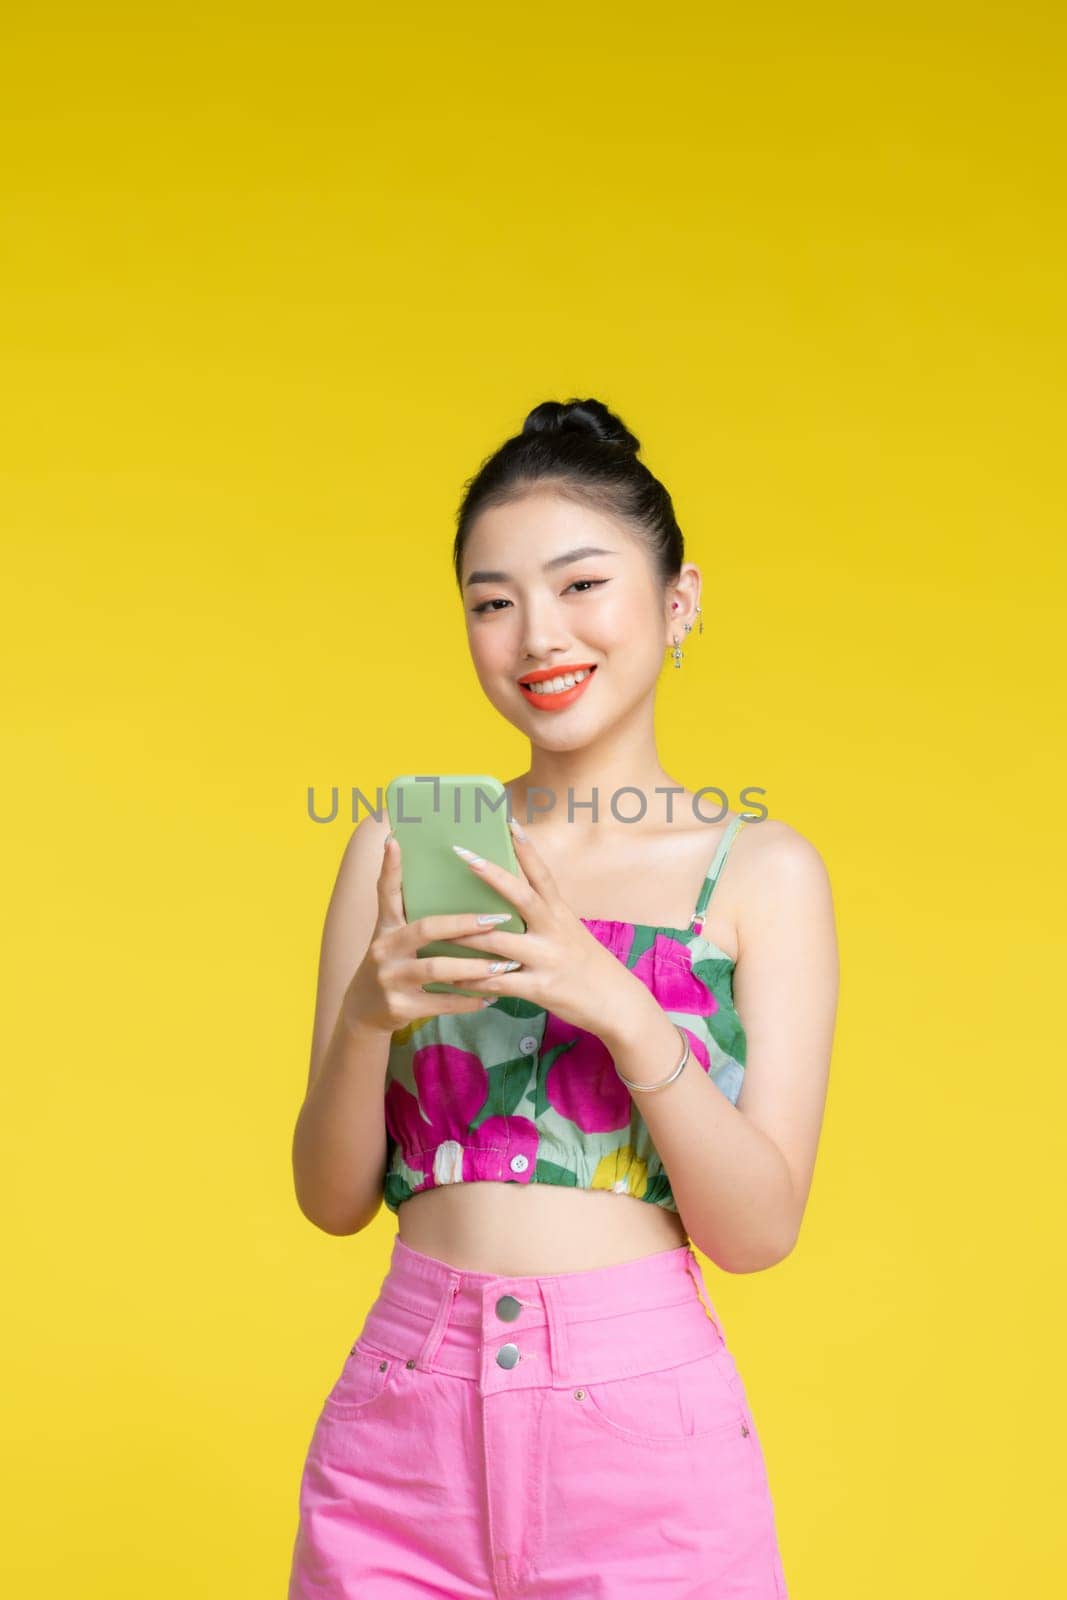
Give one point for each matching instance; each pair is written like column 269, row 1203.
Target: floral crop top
column 513, row 1094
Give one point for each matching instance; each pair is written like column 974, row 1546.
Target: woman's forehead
column 542, row 527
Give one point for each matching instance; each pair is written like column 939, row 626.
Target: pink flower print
column 582, row 1084
column 664, row 969
column 497, row 1141
column 697, row 1047
column 452, row 1085
column 618, row 937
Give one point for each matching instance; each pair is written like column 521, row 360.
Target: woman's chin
column 548, row 735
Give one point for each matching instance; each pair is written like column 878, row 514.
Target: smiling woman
column 556, row 688
column 544, row 1335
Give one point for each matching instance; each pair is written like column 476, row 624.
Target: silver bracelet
column 651, row 1088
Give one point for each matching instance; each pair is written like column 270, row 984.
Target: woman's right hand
column 385, row 992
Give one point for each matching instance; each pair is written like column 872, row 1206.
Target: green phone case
column 429, row 814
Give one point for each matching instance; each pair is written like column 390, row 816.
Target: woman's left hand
column 564, row 969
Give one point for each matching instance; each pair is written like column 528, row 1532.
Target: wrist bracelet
column 651, row 1088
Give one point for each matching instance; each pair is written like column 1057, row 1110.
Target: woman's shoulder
column 366, row 842
column 776, row 864
column 776, row 837
column 359, row 869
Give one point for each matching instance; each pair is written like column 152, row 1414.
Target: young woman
column 541, row 1401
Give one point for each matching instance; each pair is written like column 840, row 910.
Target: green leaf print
column 512, row 1006
column 396, row 1190
column 508, row 1084
column 644, row 939
column 549, row 1172
column 724, row 1024
column 541, row 1103
column 657, row 1189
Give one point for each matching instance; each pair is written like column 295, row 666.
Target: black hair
column 585, row 453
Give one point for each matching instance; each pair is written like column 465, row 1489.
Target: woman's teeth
column 556, row 685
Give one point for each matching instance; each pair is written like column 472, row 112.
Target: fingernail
column 495, row 916
column 468, row 856
column 517, row 829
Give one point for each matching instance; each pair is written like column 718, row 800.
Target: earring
column 676, row 652
column 701, row 628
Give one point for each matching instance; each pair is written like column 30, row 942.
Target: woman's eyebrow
column 485, row 576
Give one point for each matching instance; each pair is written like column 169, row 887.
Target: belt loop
column 698, row 1278
column 424, row 1359
column 559, row 1350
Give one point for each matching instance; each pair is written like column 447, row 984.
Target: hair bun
column 589, row 417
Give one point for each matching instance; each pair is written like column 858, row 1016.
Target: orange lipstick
column 565, row 697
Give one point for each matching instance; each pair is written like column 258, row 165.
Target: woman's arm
column 339, row 1145
column 741, row 1174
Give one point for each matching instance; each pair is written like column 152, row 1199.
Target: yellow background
column 273, row 286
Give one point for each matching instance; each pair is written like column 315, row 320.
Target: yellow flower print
column 622, row 1172
column 403, row 1035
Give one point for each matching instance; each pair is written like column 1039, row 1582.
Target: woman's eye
column 588, row 583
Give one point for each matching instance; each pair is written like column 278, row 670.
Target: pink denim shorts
column 583, row 1436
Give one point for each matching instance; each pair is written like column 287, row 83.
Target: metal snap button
column 507, row 1355
column 519, row 1163
column 528, row 1043
column 508, row 1308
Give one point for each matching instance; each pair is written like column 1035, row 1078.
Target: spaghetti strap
column 696, row 921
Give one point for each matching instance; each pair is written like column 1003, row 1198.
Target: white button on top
column 528, row 1044
column 519, row 1163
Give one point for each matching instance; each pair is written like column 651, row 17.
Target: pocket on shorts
column 363, row 1379
column 672, row 1405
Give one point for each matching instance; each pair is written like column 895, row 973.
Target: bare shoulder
column 773, row 845
column 353, row 908
column 778, row 869
column 366, row 844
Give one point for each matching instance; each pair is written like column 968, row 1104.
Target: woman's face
column 543, row 607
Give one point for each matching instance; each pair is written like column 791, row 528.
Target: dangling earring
column 688, row 627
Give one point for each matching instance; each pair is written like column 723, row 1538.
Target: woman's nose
column 543, row 636
column 541, row 650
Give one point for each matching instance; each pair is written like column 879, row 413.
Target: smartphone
column 429, row 813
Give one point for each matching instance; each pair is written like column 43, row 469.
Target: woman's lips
column 560, row 701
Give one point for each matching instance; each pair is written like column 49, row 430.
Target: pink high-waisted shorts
column 583, row 1436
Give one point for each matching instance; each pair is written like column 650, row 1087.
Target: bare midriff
column 534, row 1230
